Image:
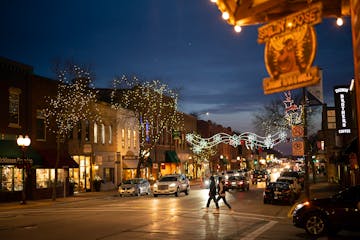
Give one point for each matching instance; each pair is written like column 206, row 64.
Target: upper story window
column 331, row 119
column 95, row 133
column 40, row 126
column 102, row 133
column 79, row 132
column 14, row 106
column 110, row 134
column 123, row 138
column 87, row 131
column 129, row 138
column 134, row 138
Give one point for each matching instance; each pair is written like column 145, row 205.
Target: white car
column 294, row 184
column 135, row 187
column 171, row 184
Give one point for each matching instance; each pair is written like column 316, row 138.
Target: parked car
column 135, row 187
column 297, row 174
column 279, row 192
column 171, row 184
column 330, row 215
column 259, row 176
column 293, row 183
column 237, row 182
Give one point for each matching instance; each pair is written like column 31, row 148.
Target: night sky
column 184, row 43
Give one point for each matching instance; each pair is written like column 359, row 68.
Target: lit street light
column 23, row 142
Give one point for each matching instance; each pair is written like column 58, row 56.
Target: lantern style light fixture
column 339, row 21
column 23, row 142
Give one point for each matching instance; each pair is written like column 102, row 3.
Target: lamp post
column 23, row 142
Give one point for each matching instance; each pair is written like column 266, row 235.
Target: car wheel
column 315, row 224
column 265, row 201
column 177, row 193
column 138, row 193
column 187, row 191
column 155, row 195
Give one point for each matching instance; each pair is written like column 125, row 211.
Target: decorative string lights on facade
column 293, row 112
column 250, row 140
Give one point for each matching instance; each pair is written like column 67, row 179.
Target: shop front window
column 11, row 178
column 45, row 177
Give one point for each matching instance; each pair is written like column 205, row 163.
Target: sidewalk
column 59, row 200
column 322, row 188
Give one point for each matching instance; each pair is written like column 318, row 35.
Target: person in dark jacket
column 222, row 193
column 212, row 193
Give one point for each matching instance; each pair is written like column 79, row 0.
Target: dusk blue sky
column 184, row 43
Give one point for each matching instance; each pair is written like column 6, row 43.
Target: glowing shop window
column 129, row 138
column 123, row 138
column 102, row 133
column 95, row 133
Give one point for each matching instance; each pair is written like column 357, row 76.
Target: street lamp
column 23, row 142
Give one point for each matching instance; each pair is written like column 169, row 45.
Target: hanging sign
column 298, row 148
column 290, row 50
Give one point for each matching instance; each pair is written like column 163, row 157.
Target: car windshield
column 130, row 181
column 290, row 174
column 285, row 180
column 232, row 178
column 279, row 185
column 168, row 179
column 136, row 180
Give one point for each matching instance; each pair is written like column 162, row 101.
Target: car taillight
column 241, row 182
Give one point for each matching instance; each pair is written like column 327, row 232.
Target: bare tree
column 74, row 101
column 154, row 105
column 270, row 118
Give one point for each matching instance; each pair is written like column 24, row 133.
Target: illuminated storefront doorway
column 82, row 175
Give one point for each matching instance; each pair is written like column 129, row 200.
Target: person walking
column 222, row 192
column 212, row 194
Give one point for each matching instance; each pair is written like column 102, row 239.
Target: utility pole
column 306, row 147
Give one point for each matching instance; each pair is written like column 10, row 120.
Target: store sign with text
column 342, row 100
column 290, row 50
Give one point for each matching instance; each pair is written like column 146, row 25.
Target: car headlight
column 206, row 182
column 172, row 185
column 155, row 185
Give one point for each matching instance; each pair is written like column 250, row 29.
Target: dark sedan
column 237, row 182
column 330, row 215
column 279, row 192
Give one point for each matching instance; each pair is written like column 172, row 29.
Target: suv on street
column 171, row 184
column 330, row 215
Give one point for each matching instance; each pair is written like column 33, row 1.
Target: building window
column 331, row 119
column 134, row 138
column 129, row 138
column 110, row 134
column 45, row 177
column 14, row 106
column 87, row 131
column 108, row 174
column 102, row 133
column 10, row 178
column 123, row 138
column 79, row 132
column 40, row 126
column 95, row 133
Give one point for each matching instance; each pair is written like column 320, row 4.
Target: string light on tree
column 154, row 105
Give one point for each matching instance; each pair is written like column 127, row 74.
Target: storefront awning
column 65, row 161
column 171, row 157
column 352, row 147
column 10, row 152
